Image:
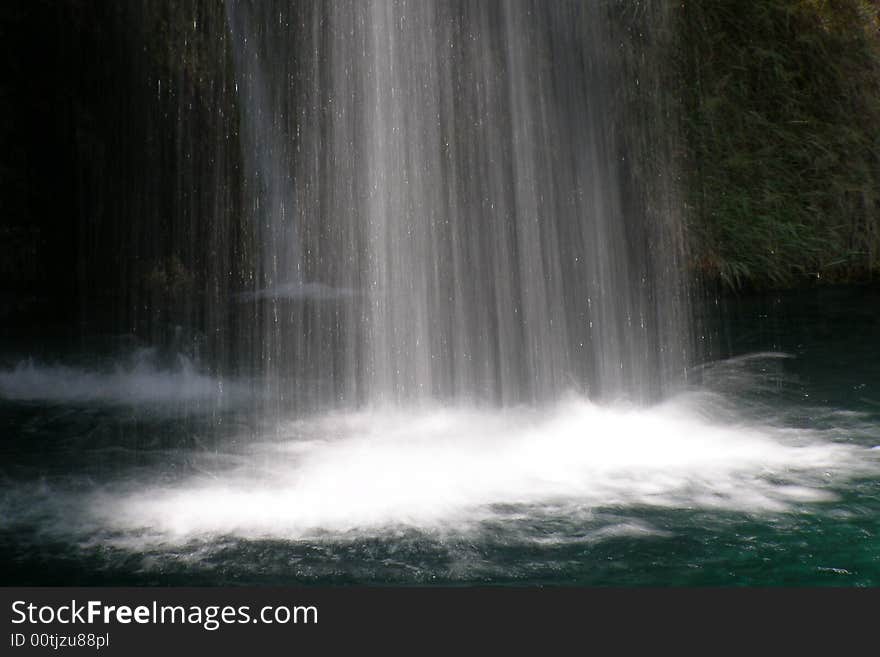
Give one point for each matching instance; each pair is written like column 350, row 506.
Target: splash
column 453, row 469
column 137, row 380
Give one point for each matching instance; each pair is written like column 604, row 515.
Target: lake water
column 122, row 466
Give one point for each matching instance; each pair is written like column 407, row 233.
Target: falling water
column 444, row 205
column 396, row 293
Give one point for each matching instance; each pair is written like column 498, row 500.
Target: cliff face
column 31, row 133
column 114, row 117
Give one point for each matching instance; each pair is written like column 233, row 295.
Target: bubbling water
column 376, row 471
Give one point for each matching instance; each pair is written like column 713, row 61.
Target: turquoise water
column 130, row 468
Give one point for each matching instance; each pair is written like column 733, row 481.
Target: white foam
column 452, row 468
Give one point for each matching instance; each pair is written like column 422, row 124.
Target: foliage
column 781, row 116
column 169, row 278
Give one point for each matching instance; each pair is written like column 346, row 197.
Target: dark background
column 106, row 111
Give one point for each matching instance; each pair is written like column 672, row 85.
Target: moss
column 169, row 278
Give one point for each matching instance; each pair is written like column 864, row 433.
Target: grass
column 781, row 118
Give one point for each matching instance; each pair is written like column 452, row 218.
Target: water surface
column 763, row 471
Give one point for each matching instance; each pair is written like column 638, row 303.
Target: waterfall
column 448, row 204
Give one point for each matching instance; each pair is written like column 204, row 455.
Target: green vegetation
column 781, row 117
